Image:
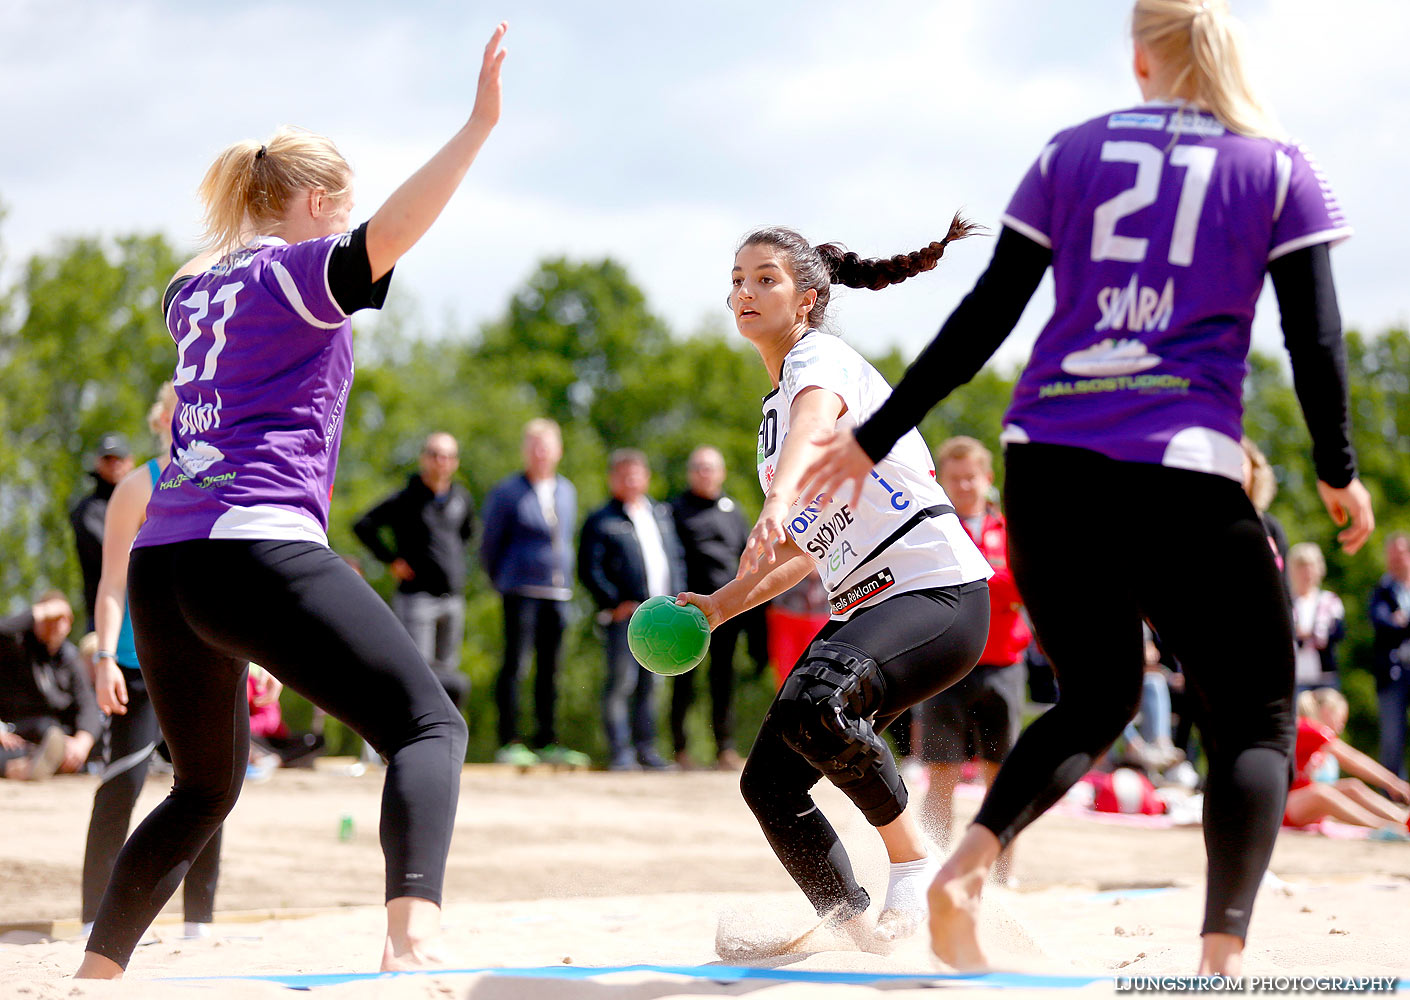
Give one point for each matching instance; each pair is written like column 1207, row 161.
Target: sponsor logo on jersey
column 1119, row 383
column 1136, row 307
column 198, row 418
column 1110, row 357
column 1194, row 123
column 827, row 529
column 197, row 457
column 899, row 500
column 1136, row 119
column 862, row 592
column 337, row 414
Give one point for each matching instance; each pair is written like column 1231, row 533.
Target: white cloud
column 659, row 133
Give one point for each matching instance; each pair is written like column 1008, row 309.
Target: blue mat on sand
column 709, row 973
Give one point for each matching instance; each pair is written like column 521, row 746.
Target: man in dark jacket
column 430, row 523
column 44, row 688
column 112, row 460
column 527, row 549
column 713, row 533
column 629, row 552
column 1390, row 617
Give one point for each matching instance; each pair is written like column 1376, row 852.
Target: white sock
column 908, row 882
column 86, row 930
column 195, row 930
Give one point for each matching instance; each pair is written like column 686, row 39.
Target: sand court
column 553, row 872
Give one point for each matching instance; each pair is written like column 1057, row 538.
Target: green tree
column 82, row 350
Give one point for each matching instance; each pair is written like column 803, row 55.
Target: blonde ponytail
column 247, row 189
column 1200, row 44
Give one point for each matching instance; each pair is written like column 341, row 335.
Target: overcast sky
column 658, row 133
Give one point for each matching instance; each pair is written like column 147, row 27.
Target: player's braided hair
column 821, row 267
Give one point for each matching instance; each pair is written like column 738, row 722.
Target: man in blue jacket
column 1390, row 617
column 629, row 552
column 527, row 551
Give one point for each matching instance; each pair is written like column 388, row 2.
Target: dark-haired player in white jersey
column 232, row 563
column 1159, row 222
column 910, row 605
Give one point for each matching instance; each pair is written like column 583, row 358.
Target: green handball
column 667, row 638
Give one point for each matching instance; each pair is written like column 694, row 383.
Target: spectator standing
column 713, row 534
column 112, row 459
column 977, row 718
column 1319, row 619
column 527, row 550
column 629, row 552
column 1390, row 617
column 44, row 685
column 430, row 522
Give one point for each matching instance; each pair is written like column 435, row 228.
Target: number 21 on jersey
column 200, row 304
column 1198, row 164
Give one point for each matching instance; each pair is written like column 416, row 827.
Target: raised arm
column 408, row 213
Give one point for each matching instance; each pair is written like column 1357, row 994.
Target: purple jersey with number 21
column 1162, row 223
column 264, row 365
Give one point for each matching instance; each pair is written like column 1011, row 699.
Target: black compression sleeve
column 968, row 339
column 1307, row 299
column 350, row 274
column 176, row 285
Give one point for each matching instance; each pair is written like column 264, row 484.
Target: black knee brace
column 825, row 712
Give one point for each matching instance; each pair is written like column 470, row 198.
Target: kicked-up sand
column 565, row 870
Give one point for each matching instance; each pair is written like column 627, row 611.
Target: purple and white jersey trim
column 264, row 368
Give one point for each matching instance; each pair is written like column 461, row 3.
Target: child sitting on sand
column 1322, row 715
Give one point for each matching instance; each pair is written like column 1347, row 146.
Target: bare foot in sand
column 954, row 920
column 413, row 930
column 410, row 957
column 954, row 901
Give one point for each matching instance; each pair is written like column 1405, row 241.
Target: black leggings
column 1095, row 545
column 201, row 611
column 132, row 738
column 921, row 643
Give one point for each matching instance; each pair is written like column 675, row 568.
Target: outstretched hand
column 1351, row 502
column 487, row 92
column 842, row 461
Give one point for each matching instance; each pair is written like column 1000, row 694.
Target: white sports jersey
column 902, row 535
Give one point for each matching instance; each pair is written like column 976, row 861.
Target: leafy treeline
column 83, row 348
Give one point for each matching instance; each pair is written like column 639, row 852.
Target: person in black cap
column 112, row 459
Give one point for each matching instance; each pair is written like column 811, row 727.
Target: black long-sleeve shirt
column 87, row 517
column 713, row 534
column 35, row 683
column 430, row 532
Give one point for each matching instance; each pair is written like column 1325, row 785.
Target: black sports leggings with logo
column 132, row 739
column 922, row 642
column 201, row 610
column 1095, row 546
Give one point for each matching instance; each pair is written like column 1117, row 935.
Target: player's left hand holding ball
column 707, row 605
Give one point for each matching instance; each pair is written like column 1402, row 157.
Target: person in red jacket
column 977, row 719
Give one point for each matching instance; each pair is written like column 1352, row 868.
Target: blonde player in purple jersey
column 1160, row 222
column 232, row 563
